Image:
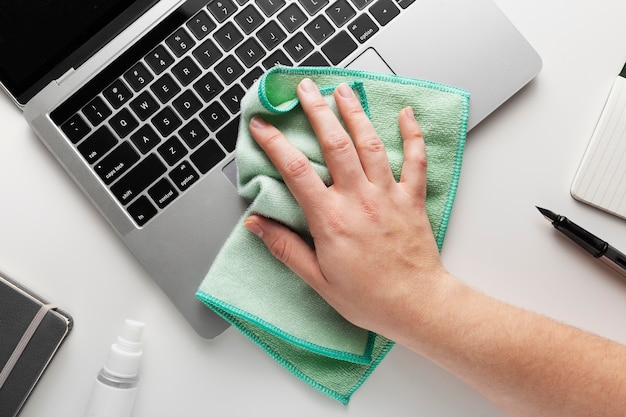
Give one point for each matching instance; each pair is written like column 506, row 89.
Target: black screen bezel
column 76, row 52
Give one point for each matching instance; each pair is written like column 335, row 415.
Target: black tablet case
column 18, row 307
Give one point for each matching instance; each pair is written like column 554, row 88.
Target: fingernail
column 345, row 91
column 258, row 122
column 307, row 85
column 254, row 227
column 408, row 111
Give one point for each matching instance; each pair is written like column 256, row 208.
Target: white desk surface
column 525, row 154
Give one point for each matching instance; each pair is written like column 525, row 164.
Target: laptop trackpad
column 230, row 171
column 370, row 60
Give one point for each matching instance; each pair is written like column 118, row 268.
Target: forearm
column 526, row 364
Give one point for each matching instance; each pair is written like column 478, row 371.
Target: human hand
column 374, row 248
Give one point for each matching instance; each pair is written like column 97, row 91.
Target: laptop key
column 187, row 104
column 145, row 138
column 207, row 156
column 228, row 36
column 193, row 133
column 249, row 19
column 214, row 116
column 142, row 210
column 228, row 135
column 340, row 12
column 75, row 128
column 222, row 9
column 123, row 123
column 277, row 58
column 362, row 28
column 159, row 59
column 339, row 47
column 201, row 25
column 186, row 71
column 117, row 93
column 271, row 35
column 232, row 98
column 97, row 144
column 172, row 150
column 292, row 17
column 319, row 29
column 207, row 53
column 138, row 76
column 229, row 69
column 166, row 121
column 315, row 60
column 132, row 184
column 180, row 42
column 253, row 75
column 404, row 3
column 184, row 175
column 313, row 6
column 250, row 52
column 118, row 161
column 208, row 87
column 163, row 193
column 384, row 11
column 298, row 46
column 96, row 111
column 144, row 105
column 269, row 7
column 362, row 4
column 165, row 88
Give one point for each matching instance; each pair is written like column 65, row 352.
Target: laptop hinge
column 65, row 76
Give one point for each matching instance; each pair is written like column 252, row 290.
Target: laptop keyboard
column 156, row 125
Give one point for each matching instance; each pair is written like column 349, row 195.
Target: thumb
column 288, row 247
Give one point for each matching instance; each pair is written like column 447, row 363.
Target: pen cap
column 125, row 354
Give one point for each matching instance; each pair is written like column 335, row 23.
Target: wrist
column 430, row 311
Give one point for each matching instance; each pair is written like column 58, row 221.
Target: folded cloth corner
column 259, row 295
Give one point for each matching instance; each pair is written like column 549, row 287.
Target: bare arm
column 376, row 261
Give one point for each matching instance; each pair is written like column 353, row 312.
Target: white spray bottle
column 116, row 385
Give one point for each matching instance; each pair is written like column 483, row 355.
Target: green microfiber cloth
column 258, row 294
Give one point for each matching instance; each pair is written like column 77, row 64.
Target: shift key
column 138, row 179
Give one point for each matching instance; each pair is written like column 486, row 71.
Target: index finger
column 339, row 152
column 295, row 168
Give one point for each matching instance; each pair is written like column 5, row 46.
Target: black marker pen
column 588, row 241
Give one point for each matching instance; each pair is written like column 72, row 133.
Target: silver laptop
column 139, row 99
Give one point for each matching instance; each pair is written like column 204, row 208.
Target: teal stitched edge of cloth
column 259, row 295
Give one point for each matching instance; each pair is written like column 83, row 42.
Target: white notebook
column 601, row 177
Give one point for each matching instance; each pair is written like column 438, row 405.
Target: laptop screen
column 41, row 39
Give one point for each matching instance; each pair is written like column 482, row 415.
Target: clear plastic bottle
column 115, row 387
